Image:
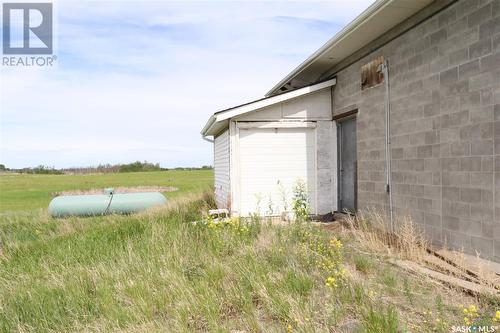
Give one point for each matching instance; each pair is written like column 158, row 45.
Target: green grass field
column 27, row 192
column 157, row 272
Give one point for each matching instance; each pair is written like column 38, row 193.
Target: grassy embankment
column 155, row 271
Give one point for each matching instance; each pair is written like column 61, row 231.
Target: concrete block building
column 400, row 109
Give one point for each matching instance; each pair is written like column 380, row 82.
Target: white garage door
column 271, row 162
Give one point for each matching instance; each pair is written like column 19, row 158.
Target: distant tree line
column 137, row 166
column 204, row 167
column 40, row 170
column 101, row 168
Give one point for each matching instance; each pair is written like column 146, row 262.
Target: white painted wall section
column 314, row 106
column 326, row 167
column 221, row 170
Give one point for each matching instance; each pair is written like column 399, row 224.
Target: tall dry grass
column 157, row 272
column 405, row 241
column 372, row 229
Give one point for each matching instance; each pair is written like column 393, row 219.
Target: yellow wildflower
column 334, row 242
column 472, row 308
column 331, row 282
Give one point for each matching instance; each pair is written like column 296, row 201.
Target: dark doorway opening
column 347, row 164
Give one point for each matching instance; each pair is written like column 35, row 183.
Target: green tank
column 102, row 204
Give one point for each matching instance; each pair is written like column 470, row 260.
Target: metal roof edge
column 369, row 12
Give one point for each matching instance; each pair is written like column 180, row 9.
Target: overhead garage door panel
column 271, row 161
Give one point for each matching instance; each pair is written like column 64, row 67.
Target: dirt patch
column 135, row 189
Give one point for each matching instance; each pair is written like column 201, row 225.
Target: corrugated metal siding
column 221, row 170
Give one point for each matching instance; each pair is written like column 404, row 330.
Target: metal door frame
column 339, row 162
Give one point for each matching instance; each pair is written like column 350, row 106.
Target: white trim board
column 276, row 124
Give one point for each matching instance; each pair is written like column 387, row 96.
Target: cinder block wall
column 445, row 100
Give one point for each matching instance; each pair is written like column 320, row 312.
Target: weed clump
column 373, row 231
column 300, row 201
column 363, row 263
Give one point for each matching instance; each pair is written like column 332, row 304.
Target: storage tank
column 102, row 204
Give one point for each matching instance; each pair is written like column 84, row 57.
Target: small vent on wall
column 370, row 77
